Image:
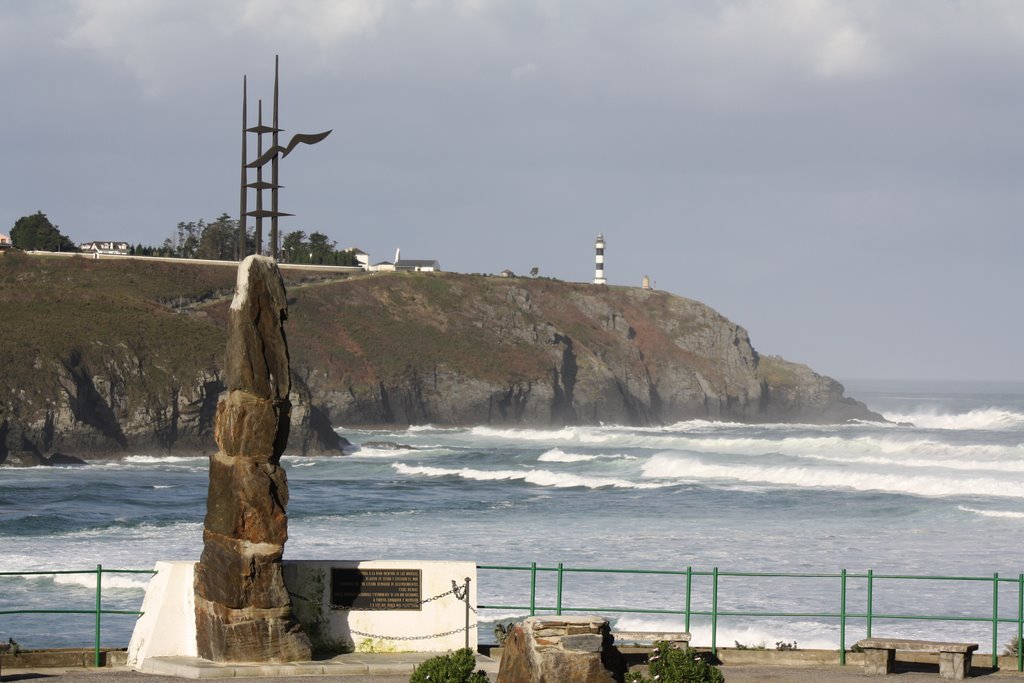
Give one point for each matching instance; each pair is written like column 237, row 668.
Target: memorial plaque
column 376, row 589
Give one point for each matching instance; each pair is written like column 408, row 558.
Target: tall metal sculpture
column 273, row 155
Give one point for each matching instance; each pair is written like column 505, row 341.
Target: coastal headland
column 106, row 358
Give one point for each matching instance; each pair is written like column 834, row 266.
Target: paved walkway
column 733, row 674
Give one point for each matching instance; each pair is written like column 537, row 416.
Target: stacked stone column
column 243, row 611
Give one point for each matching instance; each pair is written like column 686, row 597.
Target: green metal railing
column 844, row 615
column 97, row 610
column 866, row 582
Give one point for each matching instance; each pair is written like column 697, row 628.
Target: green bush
column 669, row 665
column 452, row 668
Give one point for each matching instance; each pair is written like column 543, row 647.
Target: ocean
column 944, row 496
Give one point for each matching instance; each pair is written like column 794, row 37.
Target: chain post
column 467, row 612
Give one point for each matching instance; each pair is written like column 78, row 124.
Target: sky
column 841, row 177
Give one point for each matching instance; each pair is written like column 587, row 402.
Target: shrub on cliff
column 669, row 665
column 453, row 668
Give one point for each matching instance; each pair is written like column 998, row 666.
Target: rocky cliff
column 457, row 350
column 106, row 358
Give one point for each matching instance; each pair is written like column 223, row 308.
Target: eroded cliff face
column 97, row 408
column 104, row 375
column 542, row 353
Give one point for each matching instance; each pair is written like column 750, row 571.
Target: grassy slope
column 358, row 331
column 381, row 327
column 377, row 328
column 76, row 311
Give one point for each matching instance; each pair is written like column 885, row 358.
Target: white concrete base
column 167, row 629
column 424, row 630
column 167, row 626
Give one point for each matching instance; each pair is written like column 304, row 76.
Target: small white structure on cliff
column 599, row 278
column 100, row 247
column 418, row 265
column 362, row 258
column 5, row 242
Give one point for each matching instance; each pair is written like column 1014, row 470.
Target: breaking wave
column 1006, row 514
column 982, row 418
column 558, row 455
column 545, row 478
column 668, row 465
column 155, row 459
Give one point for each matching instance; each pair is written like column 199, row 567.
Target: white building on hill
column 97, row 247
column 419, row 265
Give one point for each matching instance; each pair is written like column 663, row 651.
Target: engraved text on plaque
column 375, row 589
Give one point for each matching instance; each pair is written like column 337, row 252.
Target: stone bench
column 880, row 653
column 679, row 639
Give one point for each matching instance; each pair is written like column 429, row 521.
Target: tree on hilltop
column 316, row 248
column 219, row 239
column 37, row 233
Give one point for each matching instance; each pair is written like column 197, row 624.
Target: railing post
column 533, row 588
column 871, row 584
column 689, row 583
column 714, row 611
column 1020, row 621
column 842, row 619
column 558, row 600
column 995, row 620
column 99, row 610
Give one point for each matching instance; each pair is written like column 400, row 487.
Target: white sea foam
column 558, row 455
column 673, row 465
column 571, row 434
column 731, row 440
column 431, row 428
column 1007, row 514
column 365, row 452
column 155, row 459
column 1009, row 463
column 109, row 580
column 982, row 418
column 535, row 477
column 808, row 635
column 843, row 447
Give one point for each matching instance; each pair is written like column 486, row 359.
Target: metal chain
column 385, row 609
column 461, row 593
column 438, row 597
column 436, row 635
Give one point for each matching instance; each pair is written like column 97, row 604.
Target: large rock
column 560, row 649
column 243, row 611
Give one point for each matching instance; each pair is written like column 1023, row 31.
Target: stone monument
column 557, row 649
column 243, row 611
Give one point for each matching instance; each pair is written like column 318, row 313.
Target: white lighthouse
column 599, row 270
